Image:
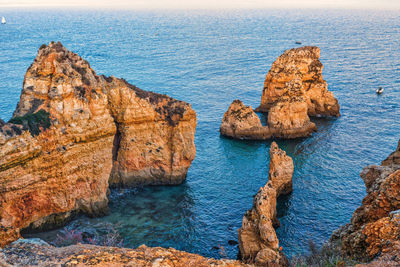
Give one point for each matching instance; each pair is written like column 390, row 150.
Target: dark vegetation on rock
column 33, row 122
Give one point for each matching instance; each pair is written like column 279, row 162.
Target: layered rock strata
column 30, row 254
column 258, row 242
column 303, row 65
column 374, row 230
column 74, row 132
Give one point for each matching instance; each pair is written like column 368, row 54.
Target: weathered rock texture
column 303, row 65
column 280, row 170
column 374, row 230
column 73, row 132
column 287, row 119
column 258, row 242
column 28, row 254
column 242, row 122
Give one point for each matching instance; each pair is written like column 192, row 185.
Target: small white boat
column 3, row 20
column 379, row 90
column 298, row 42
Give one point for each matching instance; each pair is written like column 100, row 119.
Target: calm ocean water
column 209, row 59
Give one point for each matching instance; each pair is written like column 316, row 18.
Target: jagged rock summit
column 303, row 65
column 74, row 133
column 258, row 243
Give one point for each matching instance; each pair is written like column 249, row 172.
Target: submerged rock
column 301, row 64
column 73, row 133
column 258, row 242
column 374, row 230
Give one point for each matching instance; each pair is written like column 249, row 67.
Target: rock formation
column 280, row 170
column 301, row 64
column 374, row 230
column 286, row 119
column 258, row 242
column 242, row 122
column 73, row 133
column 293, row 90
column 29, row 254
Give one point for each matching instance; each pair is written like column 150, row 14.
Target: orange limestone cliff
column 300, row 64
column 74, row 132
column 374, row 230
column 258, row 242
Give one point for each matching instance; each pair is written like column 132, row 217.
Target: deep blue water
column 209, row 59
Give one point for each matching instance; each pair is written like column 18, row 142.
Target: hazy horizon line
column 122, row 8
column 205, row 4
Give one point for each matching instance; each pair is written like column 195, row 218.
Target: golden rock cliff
column 374, row 231
column 258, row 242
column 301, row 64
column 74, row 132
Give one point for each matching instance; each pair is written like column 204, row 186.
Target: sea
column 210, row 58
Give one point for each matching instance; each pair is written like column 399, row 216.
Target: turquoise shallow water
column 209, row 59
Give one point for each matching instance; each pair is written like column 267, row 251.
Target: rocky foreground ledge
column 74, row 133
column 31, row 254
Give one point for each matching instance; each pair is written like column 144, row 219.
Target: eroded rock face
column 280, row 170
column 258, row 242
column 288, row 118
column 73, row 132
column 374, row 230
column 300, row 64
column 30, row 254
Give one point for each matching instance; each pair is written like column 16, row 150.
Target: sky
column 207, row 4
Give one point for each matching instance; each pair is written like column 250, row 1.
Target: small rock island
column 294, row 89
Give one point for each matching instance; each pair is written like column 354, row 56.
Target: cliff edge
column 74, row 133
